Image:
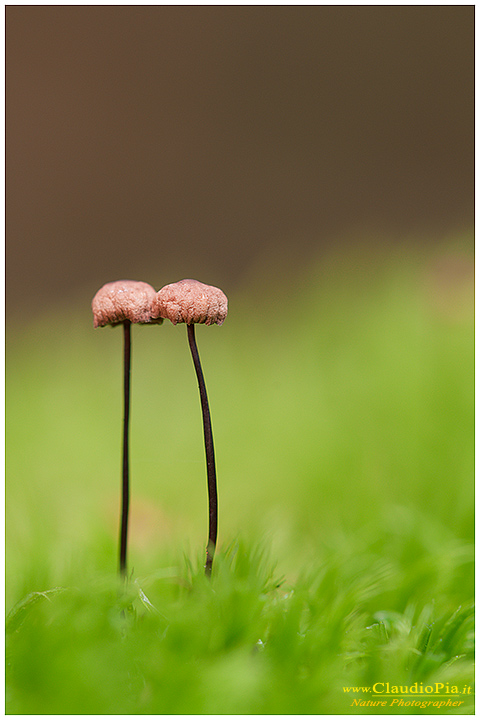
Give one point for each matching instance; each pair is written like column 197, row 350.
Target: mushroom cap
column 123, row 300
column 190, row 301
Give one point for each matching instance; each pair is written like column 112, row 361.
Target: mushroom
column 124, row 302
column 190, row 302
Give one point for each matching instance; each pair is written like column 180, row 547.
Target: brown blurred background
column 159, row 142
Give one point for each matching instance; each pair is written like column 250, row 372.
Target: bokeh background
column 314, row 162
column 162, row 142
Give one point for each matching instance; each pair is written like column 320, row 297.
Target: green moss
column 342, row 409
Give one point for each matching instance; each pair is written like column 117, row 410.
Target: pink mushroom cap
column 190, row 301
column 123, row 300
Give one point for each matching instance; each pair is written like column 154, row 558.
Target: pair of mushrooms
column 187, row 301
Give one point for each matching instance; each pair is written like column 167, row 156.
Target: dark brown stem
column 125, row 478
column 209, row 452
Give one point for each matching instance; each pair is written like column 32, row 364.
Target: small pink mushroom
column 123, row 300
column 190, row 301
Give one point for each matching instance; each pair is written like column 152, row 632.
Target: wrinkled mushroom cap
column 190, row 301
column 123, row 300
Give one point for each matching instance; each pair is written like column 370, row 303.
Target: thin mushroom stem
column 125, row 473
column 209, row 452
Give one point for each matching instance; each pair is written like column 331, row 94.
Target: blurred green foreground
column 342, row 409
